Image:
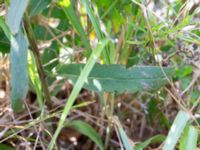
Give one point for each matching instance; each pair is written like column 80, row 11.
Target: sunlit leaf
column 189, row 139
column 176, row 130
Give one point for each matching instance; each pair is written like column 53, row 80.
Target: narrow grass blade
column 189, row 139
column 154, row 139
column 19, row 71
column 97, row 28
column 37, row 6
column 176, row 130
column 87, row 130
column 15, row 14
column 124, row 138
column 77, row 87
column 34, row 78
column 5, row 28
column 69, row 11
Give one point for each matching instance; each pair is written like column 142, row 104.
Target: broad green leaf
column 154, row 139
column 19, row 71
column 116, row 78
column 77, row 88
column 87, row 130
column 5, row 147
column 176, row 130
column 15, row 14
column 189, row 139
column 37, row 6
column 70, row 12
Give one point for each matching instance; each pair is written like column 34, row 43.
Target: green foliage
column 15, row 14
column 140, row 41
column 5, row 147
column 116, row 78
column 77, row 87
column 176, row 130
column 19, row 71
column 125, row 139
column 87, row 130
column 38, row 6
column 34, row 78
column 5, row 36
column 97, row 28
column 67, row 7
column 189, row 138
column 154, row 139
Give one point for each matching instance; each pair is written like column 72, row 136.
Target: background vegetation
column 99, row 74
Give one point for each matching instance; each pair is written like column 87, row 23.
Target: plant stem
column 35, row 50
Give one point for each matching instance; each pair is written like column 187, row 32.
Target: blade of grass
column 79, row 84
column 87, row 130
column 97, row 28
column 15, row 14
column 189, row 139
column 71, row 15
column 154, row 139
column 5, row 28
column 123, row 136
column 34, row 77
column 109, row 9
column 176, row 130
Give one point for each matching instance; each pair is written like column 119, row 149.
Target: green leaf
column 5, row 28
column 5, row 147
column 87, row 130
column 5, row 36
column 189, row 139
column 120, row 132
column 125, row 139
column 70, row 13
column 4, row 43
column 37, row 6
column 97, row 28
column 19, row 71
column 176, row 130
column 34, row 78
column 15, row 14
column 154, row 139
column 77, row 88
column 111, row 78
